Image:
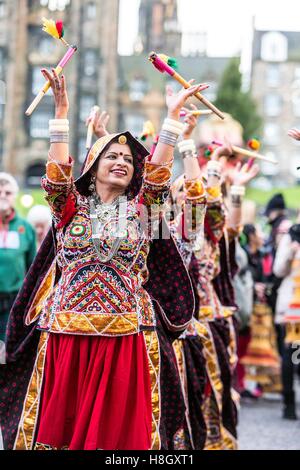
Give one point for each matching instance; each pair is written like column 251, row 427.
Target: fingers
column 169, row 90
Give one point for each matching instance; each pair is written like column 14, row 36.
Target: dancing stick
column 58, row 69
column 247, row 153
column 90, row 130
column 164, row 67
column 196, row 112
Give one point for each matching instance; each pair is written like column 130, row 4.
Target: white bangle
column 58, row 122
column 214, row 165
column 173, row 129
column 55, row 129
column 237, row 190
column 187, row 145
column 174, row 123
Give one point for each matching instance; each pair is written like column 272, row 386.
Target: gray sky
column 226, row 22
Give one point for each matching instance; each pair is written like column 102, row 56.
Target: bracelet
column 172, row 122
column 58, row 125
column 187, row 145
column 58, row 121
column 188, row 154
column 237, row 190
column 214, row 173
column 58, row 129
column 236, row 195
column 168, row 138
column 175, row 127
column 214, row 165
column 59, row 138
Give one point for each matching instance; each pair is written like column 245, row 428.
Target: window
column 273, row 104
column 2, row 93
column 39, row 123
column 273, row 76
column 137, row 89
column 34, row 173
column 90, row 63
column 134, row 123
column 86, row 104
column 55, row 4
column 2, row 63
column 82, row 151
column 271, row 133
column 46, row 46
column 91, row 11
column 3, row 9
column 274, row 47
column 38, row 80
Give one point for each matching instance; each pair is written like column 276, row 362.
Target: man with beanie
column 17, row 248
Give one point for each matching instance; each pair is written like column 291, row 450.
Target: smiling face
column 115, row 167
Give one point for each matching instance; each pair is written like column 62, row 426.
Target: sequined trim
column 100, row 324
column 208, row 313
column 41, row 295
column 27, row 425
column 58, row 173
column 152, row 346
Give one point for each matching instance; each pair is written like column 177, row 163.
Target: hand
column 59, row 90
column 190, row 122
column 175, row 101
column 240, row 175
column 260, row 288
column 100, row 122
column 294, row 133
column 224, row 151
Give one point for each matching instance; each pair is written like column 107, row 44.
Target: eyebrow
column 115, row 153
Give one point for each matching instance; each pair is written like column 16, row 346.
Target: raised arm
column 58, row 182
column 158, row 168
column 241, row 176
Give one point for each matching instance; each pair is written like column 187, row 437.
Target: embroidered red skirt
column 96, row 394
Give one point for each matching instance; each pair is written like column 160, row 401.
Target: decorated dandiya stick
column 159, row 62
column 90, row 129
column 196, row 112
column 56, row 30
column 247, row 153
column 58, row 70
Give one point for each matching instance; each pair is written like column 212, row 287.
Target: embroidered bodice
column 101, row 276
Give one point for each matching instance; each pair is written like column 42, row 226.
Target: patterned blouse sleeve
column 190, row 222
column 154, row 194
column 61, row 193
column 215, row 212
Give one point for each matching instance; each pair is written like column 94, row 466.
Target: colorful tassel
column 171, row 61
column 254, row 144
column 55, row 29
column 208, row 151
column 148, row 130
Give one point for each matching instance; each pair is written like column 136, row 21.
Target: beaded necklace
column 102, row 214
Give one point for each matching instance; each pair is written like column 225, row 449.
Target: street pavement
column 261, row 426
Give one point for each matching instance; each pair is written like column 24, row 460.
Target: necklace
column 108, row 220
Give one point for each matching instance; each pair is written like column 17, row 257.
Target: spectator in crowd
column 17, row 248
column 287, row 266
column 40, row 218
